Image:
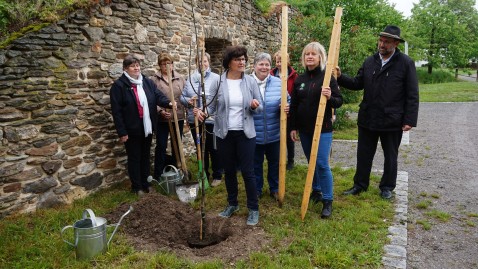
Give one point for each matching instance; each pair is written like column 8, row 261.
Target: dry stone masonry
column 58, row 141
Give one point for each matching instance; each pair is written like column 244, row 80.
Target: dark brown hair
column 129, row 60
column 232, row 52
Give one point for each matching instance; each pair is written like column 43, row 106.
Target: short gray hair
column 262, row 56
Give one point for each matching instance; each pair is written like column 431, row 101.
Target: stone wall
column 57, row 136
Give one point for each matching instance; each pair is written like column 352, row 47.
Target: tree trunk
column 430, row 51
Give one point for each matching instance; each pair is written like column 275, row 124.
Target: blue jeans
column 323, row 179
column 161, row 145
column 272, row 151
column 237, row 150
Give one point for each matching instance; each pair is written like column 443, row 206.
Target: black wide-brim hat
column 393, row 32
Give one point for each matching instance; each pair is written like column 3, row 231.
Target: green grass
column 353, row 238
column 440, row 215
column 449, row 92
column 425, row 224
column 424, row 204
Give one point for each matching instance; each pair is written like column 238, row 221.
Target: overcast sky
column 405, row 6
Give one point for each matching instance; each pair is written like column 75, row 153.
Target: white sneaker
column 216, row 182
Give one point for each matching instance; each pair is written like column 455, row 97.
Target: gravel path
column 441, row 162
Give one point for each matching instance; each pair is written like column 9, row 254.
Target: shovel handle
column 118, row 224
column 64, row 240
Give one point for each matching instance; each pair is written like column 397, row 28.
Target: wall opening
column 215, row 47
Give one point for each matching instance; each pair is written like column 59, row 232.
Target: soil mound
column 159, row 222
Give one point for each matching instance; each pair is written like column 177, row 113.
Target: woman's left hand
column 327, row 92
column 254, row 104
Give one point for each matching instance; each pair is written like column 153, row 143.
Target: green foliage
column 444, row 32
column 4, row 15
column 18, row 14
column 439, row 76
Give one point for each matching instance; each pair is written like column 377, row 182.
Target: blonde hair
column 163, row 57
column 279, row 54
column 317, row 47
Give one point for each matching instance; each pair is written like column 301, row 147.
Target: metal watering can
column 90, row 234
column 170, row 178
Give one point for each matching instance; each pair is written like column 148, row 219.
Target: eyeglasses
column 242, row 59
column 164, row 64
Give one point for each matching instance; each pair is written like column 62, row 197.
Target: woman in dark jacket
column 133, row 99
column 303, row 114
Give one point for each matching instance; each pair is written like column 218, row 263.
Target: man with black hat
column 389, row 107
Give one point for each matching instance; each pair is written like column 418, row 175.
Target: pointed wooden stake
column 283, row 116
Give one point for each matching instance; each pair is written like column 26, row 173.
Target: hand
column 406, row 127
column 337, row 72
column 123, row 139
column 199, row 114
column 327, row 92
column 192, row 101
column 294, row 136
column 254, row 104
column 165, row 114
column 173, row 107
column 286, row 109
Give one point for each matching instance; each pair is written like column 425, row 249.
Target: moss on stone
column 25, row 30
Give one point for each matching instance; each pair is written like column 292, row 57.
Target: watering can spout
column 118, row 224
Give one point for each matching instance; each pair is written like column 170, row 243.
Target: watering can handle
column 118, row 224
column 174, row 168
column 92, row 216
column 62, row 230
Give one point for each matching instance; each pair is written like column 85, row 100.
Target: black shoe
column 353, row 191
column 326, row 209
column 386, row 194
column 290, row 165
column 316, row 196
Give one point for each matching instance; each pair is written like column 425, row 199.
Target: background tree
column 362, row 20
column 445, row 32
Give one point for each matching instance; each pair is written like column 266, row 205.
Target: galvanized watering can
column 170, row 178
column 90, row 234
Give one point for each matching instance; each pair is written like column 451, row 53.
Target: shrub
column 437, row 76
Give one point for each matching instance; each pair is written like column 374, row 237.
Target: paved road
column 442, row 164
column 471, row 78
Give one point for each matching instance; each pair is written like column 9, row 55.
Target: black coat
column 390, row 98
column 125, row 110
column 305, row 99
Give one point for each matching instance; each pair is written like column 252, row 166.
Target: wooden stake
column 175, row 117
column 283, row 116
column 320, row 114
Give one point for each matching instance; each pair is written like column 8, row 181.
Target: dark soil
column 160, row 222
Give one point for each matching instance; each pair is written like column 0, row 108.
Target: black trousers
column 290, row 144
column 238, row 150
column 138, row 151
column 367, row 146
column 209, row 151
